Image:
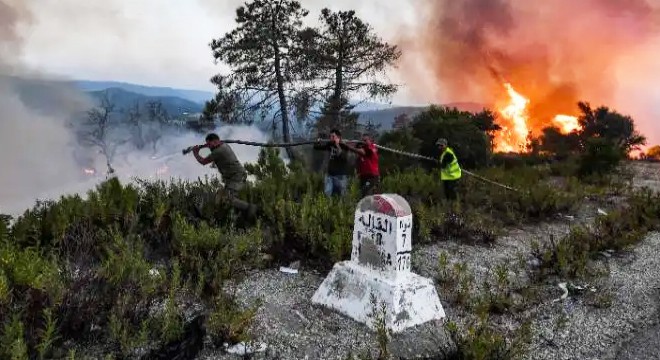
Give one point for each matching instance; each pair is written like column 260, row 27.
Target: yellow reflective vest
column 453, row 171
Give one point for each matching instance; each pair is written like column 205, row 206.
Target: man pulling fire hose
column 233, row 173
column 235, row 176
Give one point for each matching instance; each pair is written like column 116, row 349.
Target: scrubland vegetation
column 135, row 265
column 142, row 269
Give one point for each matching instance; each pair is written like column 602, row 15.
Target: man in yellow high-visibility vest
column 450, row 170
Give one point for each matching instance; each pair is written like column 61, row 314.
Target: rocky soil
column 615, row 317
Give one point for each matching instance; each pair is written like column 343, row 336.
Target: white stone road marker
column 381, row 265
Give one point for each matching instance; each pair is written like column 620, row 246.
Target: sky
column 165, row 43
column 159, row 42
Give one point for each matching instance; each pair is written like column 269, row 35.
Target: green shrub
column 128, row 324
column 568, row 257
column 125, row 266
column 496, row 295
column 228, row 323
column 47, row 335
column 28, row 268
column 600, row 158
column 12, row 343
column 171, row 321
column 481, row 341
column 210, row 255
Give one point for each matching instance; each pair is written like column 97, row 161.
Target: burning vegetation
column 532, row 63
column 515, row 123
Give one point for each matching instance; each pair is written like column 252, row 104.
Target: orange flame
column 513, row 136
column 566, row 123
column 516, row 126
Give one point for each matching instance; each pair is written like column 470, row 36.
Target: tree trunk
column 284, row 108
column 339, row 87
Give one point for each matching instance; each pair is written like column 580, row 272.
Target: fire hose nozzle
column 189, row 149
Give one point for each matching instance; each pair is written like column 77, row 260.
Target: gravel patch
column 590, row 332
column 645, row 346
column 647, row 174
column 293, row 328
column 482, row 259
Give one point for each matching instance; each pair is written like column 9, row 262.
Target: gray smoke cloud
column 39, row 152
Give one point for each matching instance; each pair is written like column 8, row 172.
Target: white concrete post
column 382, row 234
column 381, row 265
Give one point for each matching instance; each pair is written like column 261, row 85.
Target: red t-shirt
column 368, row 164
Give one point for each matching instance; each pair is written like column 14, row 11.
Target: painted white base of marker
column 410, row 299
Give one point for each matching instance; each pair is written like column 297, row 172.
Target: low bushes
column 569, row 256
column 126, row 262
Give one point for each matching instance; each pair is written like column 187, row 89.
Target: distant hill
column 197, row 96
column 123, row 99
column 385, row 117
column 47, row 95
column 53, row 96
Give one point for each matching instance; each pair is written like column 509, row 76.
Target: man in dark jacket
column 336, row 179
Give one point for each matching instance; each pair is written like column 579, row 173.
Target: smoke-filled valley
column 50, row 151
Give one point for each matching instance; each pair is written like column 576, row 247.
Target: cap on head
column 441, row 142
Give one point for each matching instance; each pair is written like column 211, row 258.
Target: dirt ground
column 647, row 174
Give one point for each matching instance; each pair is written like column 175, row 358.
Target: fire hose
column 395, row 151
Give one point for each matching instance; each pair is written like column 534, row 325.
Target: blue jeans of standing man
column 336, row 185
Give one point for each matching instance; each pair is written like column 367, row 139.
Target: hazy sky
column 158, row 42
column 165, row 43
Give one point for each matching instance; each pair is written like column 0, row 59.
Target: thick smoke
column 40, row 156
column 555, row 53
column 35, row 147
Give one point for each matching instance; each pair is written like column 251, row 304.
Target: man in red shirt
column 367, row 165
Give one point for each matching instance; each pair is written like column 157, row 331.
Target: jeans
column 336, row 185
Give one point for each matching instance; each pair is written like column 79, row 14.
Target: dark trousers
column 369, row 185
column 450, row 189
column 230, row 192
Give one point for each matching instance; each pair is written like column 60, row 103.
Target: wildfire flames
column 506, row 54
column 515, row 123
